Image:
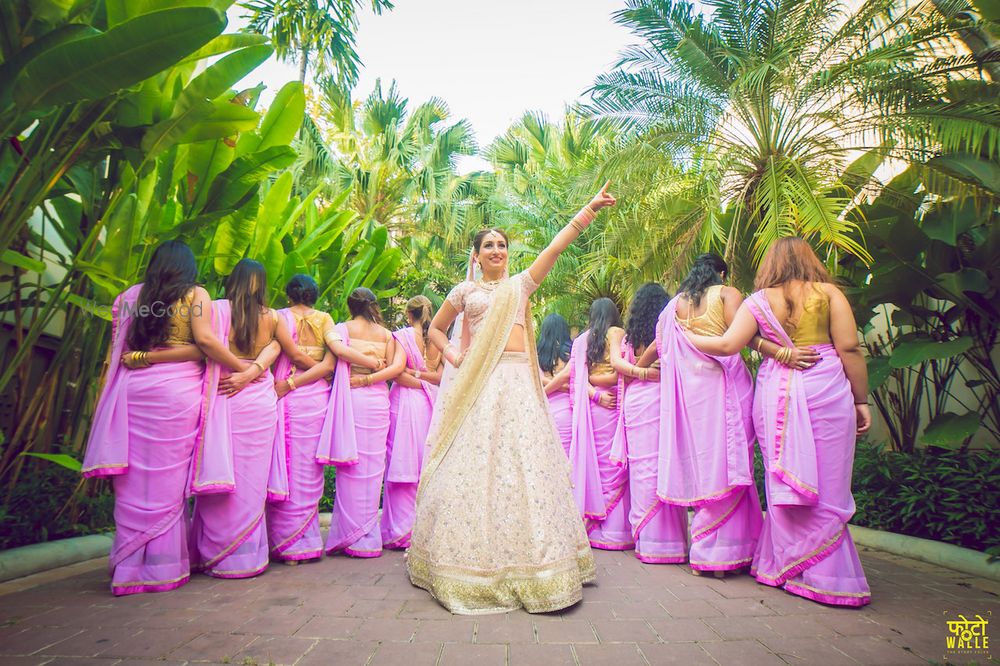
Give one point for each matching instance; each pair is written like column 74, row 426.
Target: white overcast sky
column 490, row 60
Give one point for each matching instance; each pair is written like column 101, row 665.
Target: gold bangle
column 144, row 360
column 576, row 225
column 259, row 365
column 760, row 343
column 368, row 380
column 291, row 383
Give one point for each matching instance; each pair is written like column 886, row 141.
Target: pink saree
column 354, row 526
column 143, row 436
column 600, row 485
column 659, row 530
column 293, row 524
column 562, row 414
column 806, row 424
column 228, row 532
column 706, row 447
column 410, row 411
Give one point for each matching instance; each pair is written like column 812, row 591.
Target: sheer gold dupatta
column 482, row 356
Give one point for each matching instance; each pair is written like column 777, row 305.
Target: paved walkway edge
column 28, row 560
column 942, row 554
column 39, row 557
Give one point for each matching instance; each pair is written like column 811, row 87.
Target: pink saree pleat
column 293, row 524
column 659, row 530
column 410, row 411
column 706, row 447
column 806, row 424
column 150, row 552
column 229, row 534
column 600, row 483
column 231, row 537
column 562, row 414
column 354, row 526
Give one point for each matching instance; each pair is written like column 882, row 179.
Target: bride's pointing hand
column 602, row 199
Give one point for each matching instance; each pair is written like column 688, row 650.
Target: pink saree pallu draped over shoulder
column 600, row 483
column 659, row 530
column 143, row 436
column 293, row 524
column 229, row 533
column 359, row 426
column 806, row 425
column 706, row 447
column 410, row 411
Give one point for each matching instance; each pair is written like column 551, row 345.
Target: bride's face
column 492, row 255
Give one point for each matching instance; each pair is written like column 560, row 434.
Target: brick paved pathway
column 344, row 612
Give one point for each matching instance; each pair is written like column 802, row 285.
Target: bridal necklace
column 489, row 285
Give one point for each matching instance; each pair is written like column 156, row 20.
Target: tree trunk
column 303, row 62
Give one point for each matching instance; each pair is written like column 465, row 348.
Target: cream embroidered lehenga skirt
column 496, row 524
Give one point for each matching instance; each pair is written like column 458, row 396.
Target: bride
column 496, row 524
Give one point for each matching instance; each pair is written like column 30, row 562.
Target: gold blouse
column 312, row 330
column 813, row 326
column 259, row 346
column 603, row 367
column 713, row 320
column 376, row 350
column 179, row 327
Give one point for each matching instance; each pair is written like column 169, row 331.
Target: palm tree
column 400, row 166
column 770, row 100
column 319, row 29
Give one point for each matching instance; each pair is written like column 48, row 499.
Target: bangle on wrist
column 760, row 343
column 416, row 375
column 862, row 402
column 259, row 365
column 291, row 383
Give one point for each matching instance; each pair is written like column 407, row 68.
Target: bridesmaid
column 229, row 534
column 659, row 530
column 361, row 419
column 707, row 435
column 600, row 485
column 807, row 418
column 411, row 404
column 302, row 385
column 146, row 424
column 554, row 345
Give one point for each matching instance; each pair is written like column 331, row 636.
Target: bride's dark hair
column 477, row 241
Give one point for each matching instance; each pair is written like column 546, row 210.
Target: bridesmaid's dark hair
column 419, row 307
column 706, row 271
column 171, row 273
column 647, row 304
column 302, row 290
column 362, row 303
column 603, row 315
column 553, row 342
column 246, row 289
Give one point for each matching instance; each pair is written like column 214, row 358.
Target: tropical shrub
column 932, row 493
column 929, row 306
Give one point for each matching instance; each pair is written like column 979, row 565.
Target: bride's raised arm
column 546, row 259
